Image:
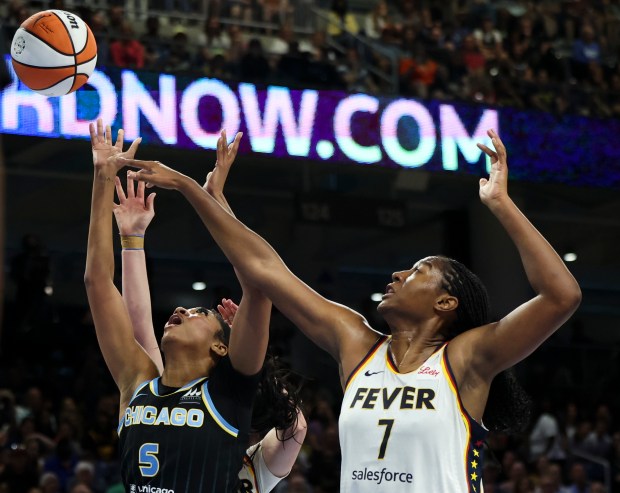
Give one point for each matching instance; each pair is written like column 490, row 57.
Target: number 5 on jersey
column 149, row 465
column 388, row 423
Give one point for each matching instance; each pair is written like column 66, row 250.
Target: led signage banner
column 322, row 126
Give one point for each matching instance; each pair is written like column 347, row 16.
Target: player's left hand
column 495, row 188
column 133, row 213
column 228, row 308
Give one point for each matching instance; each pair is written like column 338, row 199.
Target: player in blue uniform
column 435, row 305
column 267, row 462
column 188, row 430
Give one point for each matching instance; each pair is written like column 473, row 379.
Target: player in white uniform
column 426, row 437
column 267, row 462
column 388, row 408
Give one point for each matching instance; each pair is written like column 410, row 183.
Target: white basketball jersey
column 409, row 432
column 255, row 476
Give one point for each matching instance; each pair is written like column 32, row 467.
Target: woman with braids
column 417, row 404
column 275, row 410
column 186, row 430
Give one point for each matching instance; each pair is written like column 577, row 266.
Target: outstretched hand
column 134, row 212
column 154, row 174
column 226, row 155
column 495, row 188
column 103, row 148
column 228, row 308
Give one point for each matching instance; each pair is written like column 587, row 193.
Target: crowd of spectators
column 59, row 405
column 554, row 56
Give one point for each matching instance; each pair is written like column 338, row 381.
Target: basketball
column 54, row 52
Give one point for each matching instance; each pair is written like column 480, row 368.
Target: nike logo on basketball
column 371, row 373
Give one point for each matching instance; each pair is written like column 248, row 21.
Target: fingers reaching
column 227, row 310
column 234, row 147
column 93, row 134
column 107, row 138
column 119, row 190
column 131, row 152
column 488, row 151
column 131, row 187
column 140, row 191
column 150, row 201
column 120, row 139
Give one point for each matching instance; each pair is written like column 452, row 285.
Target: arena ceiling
column 343, row 229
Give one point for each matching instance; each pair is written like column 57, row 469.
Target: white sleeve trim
column 265, row 480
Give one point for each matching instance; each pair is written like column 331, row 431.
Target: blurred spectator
column 524, row 485
column 545, row 438
column 179, row 56
column 488, row 39
column 341, row 21
column 490, row 477
column 417, row 72
column 324, row 471
column 101, row 440
column 84, row 474
column 551, row 483
column 354, row 74
column 586, row 51
column 214, row 38
column 410, row 14
column 80, row 488
column 116, row 21
column 20, row 472
column 153, row 41
column 49, row 483
column 598, row 442
column 275, row 11
column 577, row 442
column 17, row 12
column 377, row 20
column 295, row 483
column 517, row 472
column 254, row 64
column 99, row 27
column 279, row 45
column 126, row 51
column 62, row 462
column 579, row 482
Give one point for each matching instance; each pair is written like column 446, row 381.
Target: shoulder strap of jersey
column 371, row 352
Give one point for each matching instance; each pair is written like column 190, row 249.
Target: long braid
column 508, row 407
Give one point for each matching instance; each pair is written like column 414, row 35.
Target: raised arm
column 342, row 332
column 125, row 358
column 133, row 214
column 500, row 345
column 281, row 447
column 250, row 326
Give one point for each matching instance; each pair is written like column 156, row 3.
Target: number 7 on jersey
column 388, row 423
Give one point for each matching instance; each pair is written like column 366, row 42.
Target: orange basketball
column 54, row 52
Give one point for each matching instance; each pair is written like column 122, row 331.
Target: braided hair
column 508, row 407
